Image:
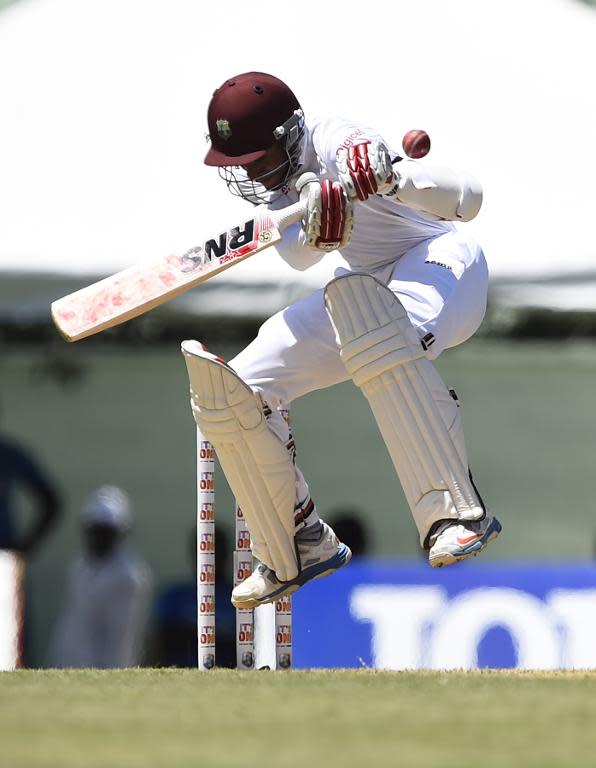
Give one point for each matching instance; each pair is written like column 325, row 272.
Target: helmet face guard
column 256, row 190
column 247, row 115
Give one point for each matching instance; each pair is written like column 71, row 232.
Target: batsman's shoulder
column 333, row 134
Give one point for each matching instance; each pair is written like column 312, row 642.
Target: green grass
column 125, row 719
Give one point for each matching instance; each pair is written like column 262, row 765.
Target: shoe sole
column 449, row 557
column 340, row 558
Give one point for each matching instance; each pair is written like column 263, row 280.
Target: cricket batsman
column 416, row 285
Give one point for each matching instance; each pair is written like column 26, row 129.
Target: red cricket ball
column 416, row 144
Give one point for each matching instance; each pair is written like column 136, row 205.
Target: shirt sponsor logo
column 349, row 140
column 439, row 264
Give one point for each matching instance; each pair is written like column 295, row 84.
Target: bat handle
column 286, row 216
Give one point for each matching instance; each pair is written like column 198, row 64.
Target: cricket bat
column 142, row 287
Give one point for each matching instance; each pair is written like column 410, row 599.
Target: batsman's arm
column 365, row 168
column 442, row 192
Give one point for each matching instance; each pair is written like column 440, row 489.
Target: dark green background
column 99, row 413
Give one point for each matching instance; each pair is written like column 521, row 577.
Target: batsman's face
column 270, row 169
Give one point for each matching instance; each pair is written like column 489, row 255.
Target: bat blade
column 142, row 287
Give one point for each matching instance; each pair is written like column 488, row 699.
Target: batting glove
column 365, row 169
column 328, row 222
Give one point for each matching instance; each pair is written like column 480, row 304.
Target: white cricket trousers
column 442, row 284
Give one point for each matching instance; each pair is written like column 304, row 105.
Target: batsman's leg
column 260, row 471
column 417, row 416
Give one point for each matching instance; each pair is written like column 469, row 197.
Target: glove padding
column 328, row 221
column 365, row 169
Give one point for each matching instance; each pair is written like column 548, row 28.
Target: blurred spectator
column 347, row 524
column 20, row 472
column 108, row 591
column 176, row 613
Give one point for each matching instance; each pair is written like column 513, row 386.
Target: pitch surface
column 146, row 717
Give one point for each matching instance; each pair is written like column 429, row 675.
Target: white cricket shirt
column 384, row 230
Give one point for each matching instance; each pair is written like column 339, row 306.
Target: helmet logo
column 223, row 128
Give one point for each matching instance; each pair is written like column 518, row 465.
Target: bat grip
column 286, row 216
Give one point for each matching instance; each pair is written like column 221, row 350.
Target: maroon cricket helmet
column 242, row 116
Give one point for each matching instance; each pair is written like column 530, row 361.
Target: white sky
column 104, row 104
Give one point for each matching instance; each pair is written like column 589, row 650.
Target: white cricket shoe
column 321, row 553
column 454, row 540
